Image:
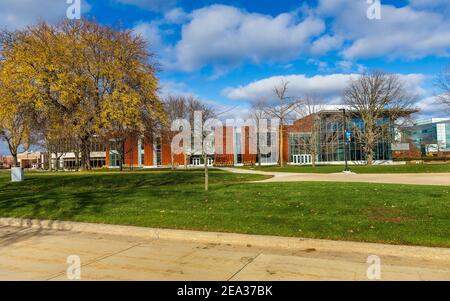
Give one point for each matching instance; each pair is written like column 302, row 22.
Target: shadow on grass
column 68, row 196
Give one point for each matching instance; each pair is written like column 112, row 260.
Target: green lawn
column 399, row 214
column 362, row 169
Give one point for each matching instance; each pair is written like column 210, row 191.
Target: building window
column 299, row 143
column 141, row 152
column 158, row 152
column 331, row 137
column 114, row 157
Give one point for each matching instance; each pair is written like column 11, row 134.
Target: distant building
column 431, row 136
column 64, row 155
column 331, row 138
column 331, row 145
column 29, row 160
column 334, row 146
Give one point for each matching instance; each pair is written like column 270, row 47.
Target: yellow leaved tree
column 93, row 79
column 17, row 118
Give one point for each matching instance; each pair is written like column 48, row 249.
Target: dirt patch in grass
column 386, row 215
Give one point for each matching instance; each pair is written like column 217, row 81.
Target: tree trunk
column 13, row 152
column 205, row 157
column 369, row 157
column 313, row 154
column 258, row 147
column 314, row 144
column 49, row 161
column 369, row 148
column 15, row 160
column 58, row 165
column 55, row 162
column 77, row 160
column 281, row 146
column 122, row 154
column 85, row 154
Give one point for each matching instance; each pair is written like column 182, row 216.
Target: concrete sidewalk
column 439, row 179
column 41, row 254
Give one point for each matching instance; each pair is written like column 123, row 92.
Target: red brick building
column 236, row 145
column 232, row 147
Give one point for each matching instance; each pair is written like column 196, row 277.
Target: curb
column 262, row 241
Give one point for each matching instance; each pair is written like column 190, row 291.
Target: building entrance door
column 301, row 159
column 196, row 161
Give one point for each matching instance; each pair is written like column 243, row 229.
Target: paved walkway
column 440, row 179
column 37, row 254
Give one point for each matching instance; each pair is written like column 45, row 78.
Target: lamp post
column 345, row 138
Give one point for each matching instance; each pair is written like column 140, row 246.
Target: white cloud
column 326, row 43
column 176, row 16
column 326, row 85
column 225, row 36
column 233, row 112
column 151, row 33
column 330, row 87
column 403, row 32
column 173, row 88
column 337, row 66
column 151, row 5
column 344, row 65
column 20, row 13
column 430, row 106
column 322, row 66
column 225, row 111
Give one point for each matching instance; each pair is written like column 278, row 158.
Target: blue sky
column 230, row 53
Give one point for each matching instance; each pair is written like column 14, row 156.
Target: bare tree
column 58, row 148
column 207, row 113
column 444, row 85
column 310, row 107
column 372, row 97
column 194, row 105
column 281, row 110
column 258, row 114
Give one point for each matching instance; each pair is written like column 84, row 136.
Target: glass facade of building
column 114, row 156
column 95, row 163
column 158, row 152
column 447, row 134
column 331, row 139
column 431, row 135
column 424, row 134
column 299, row 145
column 141, row 152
